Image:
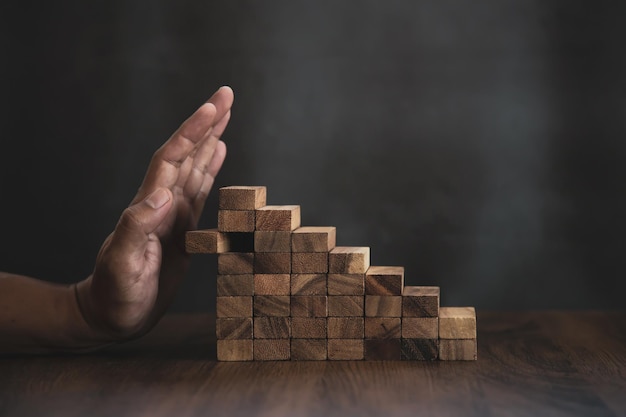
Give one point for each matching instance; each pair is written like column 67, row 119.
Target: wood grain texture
column 314, row 239
column 308, row 284
column 234, row 328
column 233, row 307
column 234, row 350
column 206, row 241
column 309, row 306
column 420, row 302
column 346, row 284
column 236, row 220
column 278, row 218
column 348, row 260
column 382, row 350
column 212, row 241
column 419, row 349
column 271, row 305
column 420, row 327
column 309, row 263
column 235, row 263
column 384, row 280
column 272, row 349
column 309, row 350
column 457, row 323
column 346, row 349
column 232, row 285
column 383, row 306
column 345, row 328
column 272, row 241
column 272, row 263
column 541, row 363
column 272, row 284
column 242, row 197
column 382, row 328
column 345, row 306
column 308, row 327
column 272, row 328
column 458, row 350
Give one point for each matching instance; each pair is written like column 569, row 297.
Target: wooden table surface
column 530, row 364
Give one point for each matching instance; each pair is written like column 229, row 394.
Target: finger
column 139, row 221
column 199, row 168
column 209, row 179
column 220, row 125
column 196, row 128
column 222, row 99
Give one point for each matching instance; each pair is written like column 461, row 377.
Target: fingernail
column 158, row 198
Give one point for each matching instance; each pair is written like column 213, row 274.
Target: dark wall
column 481, row 146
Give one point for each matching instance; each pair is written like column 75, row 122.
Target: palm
column 134, row 281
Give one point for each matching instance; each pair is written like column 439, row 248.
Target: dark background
column 481, row 145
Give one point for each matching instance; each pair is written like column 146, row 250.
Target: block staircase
column 286, row 292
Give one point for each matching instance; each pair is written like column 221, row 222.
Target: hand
column 141, row 264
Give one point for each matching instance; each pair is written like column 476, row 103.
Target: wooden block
column 235, row 220
column 348, row 260
column 382, row 350
column 242, row 197
column 235, row 263
column 234, row 328
column 309, row 306
column 272, row 349
column 277, row 218
column 457, row 350
column 420, row 349
column 420, row 302
column 345, row 349
column 271, row 305
column 345, row 328
column 383, row 306
column 382, row 328
column 272, row 241
column 308, row 284
column 346, row 284
column 309, row 263
column 314, row 239
column 272, row 263
column 234, row 350
column 384, row 280
column 457, row 323
column 308, row 327
column 206, row 241
column 420, row 327
column 345, row 306
column 234, row 307
column 213, row 241
column 308, row 350
column 230, row 285
column 272, row 284
column 272, row 328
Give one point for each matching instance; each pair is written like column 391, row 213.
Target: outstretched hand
column 141, row 264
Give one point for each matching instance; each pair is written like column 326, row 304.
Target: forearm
column 40, row 317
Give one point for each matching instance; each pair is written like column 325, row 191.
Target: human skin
column 140, row 264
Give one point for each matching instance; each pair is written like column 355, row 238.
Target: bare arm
column 140, row 264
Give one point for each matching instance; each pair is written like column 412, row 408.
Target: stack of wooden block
column 286, row 292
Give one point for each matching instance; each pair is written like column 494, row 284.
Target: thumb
column 141, row 219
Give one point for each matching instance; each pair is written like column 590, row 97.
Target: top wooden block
column 457, row 323
column 348, row 260
column 313, row 239
column 384, row 280
column 278, row 218
column 242, row 197
column 420, row 301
